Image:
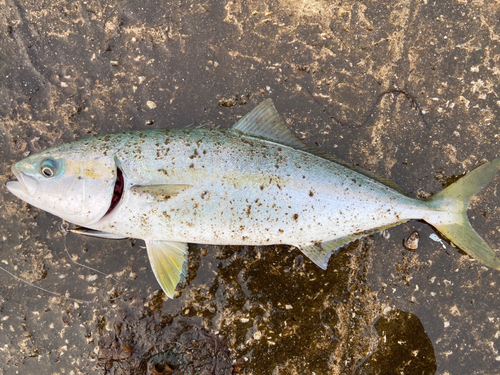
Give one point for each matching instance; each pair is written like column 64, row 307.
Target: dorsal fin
column 264, row 122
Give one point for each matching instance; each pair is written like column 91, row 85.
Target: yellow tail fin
column 455, row 199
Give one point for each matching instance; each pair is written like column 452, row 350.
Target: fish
column 255, row 183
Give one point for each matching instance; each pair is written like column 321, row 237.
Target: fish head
column 73, row 181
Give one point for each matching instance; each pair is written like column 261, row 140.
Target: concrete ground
column 72, row 69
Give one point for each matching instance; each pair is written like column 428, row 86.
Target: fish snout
column 25, row 184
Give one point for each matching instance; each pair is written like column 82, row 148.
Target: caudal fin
column 455, row 199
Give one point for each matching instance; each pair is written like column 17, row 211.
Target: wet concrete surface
column 72, row 69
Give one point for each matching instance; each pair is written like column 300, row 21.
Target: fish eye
column 49, row 168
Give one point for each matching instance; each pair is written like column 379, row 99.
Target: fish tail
column 455, row 200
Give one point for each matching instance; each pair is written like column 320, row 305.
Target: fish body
column 253, row 184
column 240, row 190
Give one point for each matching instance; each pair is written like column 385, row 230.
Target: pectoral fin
column 169, row 263
column 161, row 192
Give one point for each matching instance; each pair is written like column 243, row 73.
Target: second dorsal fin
column 264, row 122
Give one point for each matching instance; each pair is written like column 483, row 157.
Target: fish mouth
column 24, row 186
column 117, row 191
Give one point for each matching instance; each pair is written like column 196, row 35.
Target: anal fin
column 169, row 263
column 321, row 252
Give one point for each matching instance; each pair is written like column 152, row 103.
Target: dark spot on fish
column 191, row 166
column 164, row 197
column 195, row 154
column 353, row 180
column 106, row 138
column 280, row 230
column 295, row 216
column 261, row 187
column 246, row 141
column 205, row 195
column 166, row 215
column 204, row 152
column 249, row 209
column 244, row 238
column 311, row 194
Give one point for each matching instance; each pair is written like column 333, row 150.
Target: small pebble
column 412, row 241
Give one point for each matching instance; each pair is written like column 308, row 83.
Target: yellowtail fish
column 253, row 184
